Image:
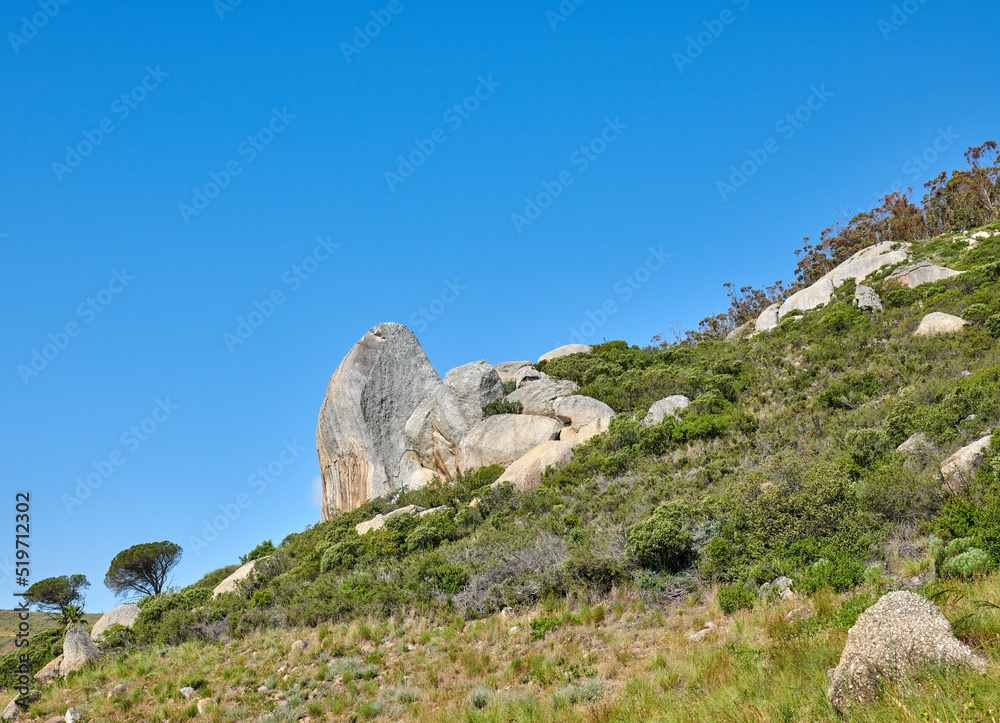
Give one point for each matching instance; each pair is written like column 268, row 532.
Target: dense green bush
column 732, row 598
column 502, row 406
column 660, row 541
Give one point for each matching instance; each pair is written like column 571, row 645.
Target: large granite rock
column 918, row 445
column 916, row 275
column 124, row 615
column 565, row 351
column 526, row 472
column 858, row 267
column 50, row 671
column 670, row 405
column 436, row 428
column 891, row 640
column 474, row 385
column 360, row 436
column 504, row 438
column 538, row 395
column 768, row 318
column 78, row 650
column 959, row 466
column 937, row 323
column 238, row 575
column 508, row 370
column 866, row 299
column 585, row 417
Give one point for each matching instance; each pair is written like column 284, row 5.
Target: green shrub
column 975, row 312
column 660, row 541
column 502, row 406
column 840, row 573
column 967, row 564
column 732, row 598
column 264, row 549
column 993, row 325
column 541, row 626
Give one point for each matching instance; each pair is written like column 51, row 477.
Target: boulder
column 916, row 275
column 188, row 692
column 780, row 587
column 526, row 472
column 866, row 299
column 527, row 374
column 433, row 433
column 78, row 650
column 50, row 671
column 508, row 370
column 740, row 331
column 768, row 318
column 12, row 711
column 474, row 385
column 73, row 715
column 669, row 405
column 917, row 445
column 124, row 615
column 586, row 417
column 937, row 323
column 300, row 646
column 504, row 438
column 242, row 573
column 360, row 435
column 378, row 521
column 858, row 267
column 960, row 464
column 898, row 634
column 565, row 351
column 539, row 396
column 118, row 691
column 808, row 298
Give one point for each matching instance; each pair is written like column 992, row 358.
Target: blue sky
column 204, row 205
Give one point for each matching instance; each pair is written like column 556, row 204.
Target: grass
column 763, row 664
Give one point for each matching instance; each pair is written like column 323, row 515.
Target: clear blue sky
column 150, row 219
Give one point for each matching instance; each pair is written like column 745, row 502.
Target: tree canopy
column 143, row 569
column 58, row 594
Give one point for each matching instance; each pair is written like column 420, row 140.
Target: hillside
column 838, row 432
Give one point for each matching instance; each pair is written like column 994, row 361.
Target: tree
column 59, row 595
column 143, row 569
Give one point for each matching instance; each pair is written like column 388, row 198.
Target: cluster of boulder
column 389, row 422
column 858, row 268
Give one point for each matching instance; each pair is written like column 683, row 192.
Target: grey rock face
column 370, row 398
column 917, row 445
column 586, row 417
column 508, row 370
column 918, row 274
column 959, row 465
column 434, row 431
column 890, row 640
column 768, row 318
column 526, row 473
column 866, row 299
column 539, row 396
column 78, row 650
column 124, row 615
column 670, row 405
column 504, row 438
column 474, row 385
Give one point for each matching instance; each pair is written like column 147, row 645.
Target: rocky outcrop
column 526, row 375
column 891, row 640
column 565, row 351
column 78, row 650
column 919, row 274
column 670, row 405
column 585, row 417
column 768, row 318
column 124, row 615
column 538, row 395
column 526, row 472
column 508, row 370
column 866, row 299
column 242, row 573
column 504, row 438
column 937, row 323
column 858, row 267
column 917, row 445
column 370, row 398
column 959, row 465
column 474, row 385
